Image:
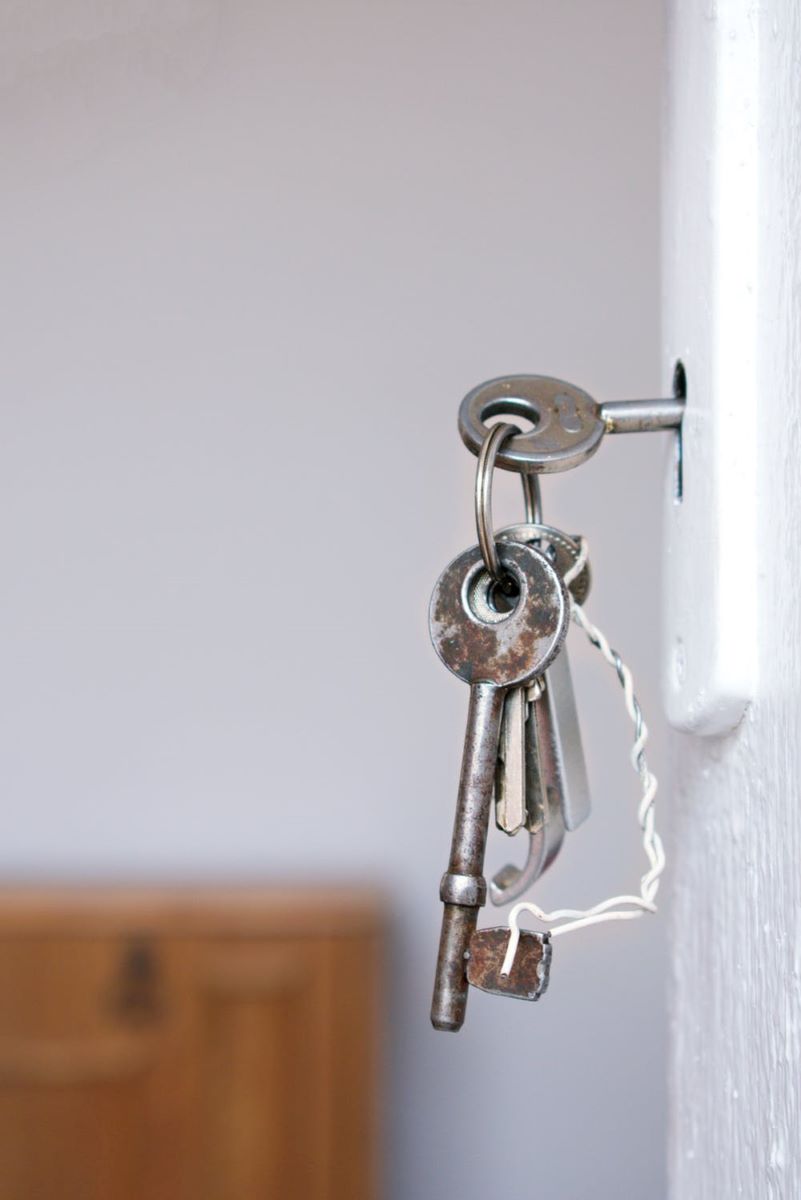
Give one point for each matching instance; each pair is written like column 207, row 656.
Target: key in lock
column 493, row 654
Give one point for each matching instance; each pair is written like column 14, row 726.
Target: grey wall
column 253, row 255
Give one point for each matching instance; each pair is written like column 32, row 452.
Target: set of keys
column 498, row 619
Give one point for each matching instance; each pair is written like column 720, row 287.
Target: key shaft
column 466, row 862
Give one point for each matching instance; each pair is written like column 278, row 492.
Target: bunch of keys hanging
column 498, row 618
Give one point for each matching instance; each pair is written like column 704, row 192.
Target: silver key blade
column 558, row 795
column 510, row 777
column 567, row 768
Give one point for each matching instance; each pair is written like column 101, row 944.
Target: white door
column 732, row 656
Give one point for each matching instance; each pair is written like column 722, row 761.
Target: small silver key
column 557, row 790
column 493, row 652
column 510, row 775
column 556, row 735
column 546, row 795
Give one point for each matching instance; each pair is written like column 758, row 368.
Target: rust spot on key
column 475, row 650
column 528, row 977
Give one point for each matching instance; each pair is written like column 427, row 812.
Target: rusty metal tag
column 528, row 978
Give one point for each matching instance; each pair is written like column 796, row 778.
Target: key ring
column 532, row 498
column 487, row 455
column 499, row 434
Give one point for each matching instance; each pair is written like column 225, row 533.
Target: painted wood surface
column 735, row 993
column 710, row 262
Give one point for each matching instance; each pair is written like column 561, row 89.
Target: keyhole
column 680, row 392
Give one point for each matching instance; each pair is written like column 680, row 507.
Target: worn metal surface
column 514, row 647
column 468, row 845
column 530, row 971
column 492, row 657
column 532, row 496
column 495, row 438
column 510, row 774
column 643, row 416
column 567, row 421
column 463, row 889
column 558, row 547
column 568, row 424
column 555, row 729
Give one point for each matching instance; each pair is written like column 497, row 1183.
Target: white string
column 617, row 908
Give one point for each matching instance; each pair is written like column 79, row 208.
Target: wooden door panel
column 188, row 1047
column 355, row 1011
column 75, row 1141
column 266, row 1073
column 78, row 1062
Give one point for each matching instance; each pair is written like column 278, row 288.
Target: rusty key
column 492, row 652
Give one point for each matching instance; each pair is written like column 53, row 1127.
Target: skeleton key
column 557, row 790
column 492, row 654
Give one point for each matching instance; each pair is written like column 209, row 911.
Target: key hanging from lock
column 541, row 777
column 498, row 618
column 492, row 655
column 568, row 425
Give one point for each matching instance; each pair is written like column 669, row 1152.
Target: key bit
column 530, row 971
column 510, row 776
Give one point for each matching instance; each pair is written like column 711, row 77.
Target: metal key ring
column 486, row 464
column 483, row 497
column 532, row 498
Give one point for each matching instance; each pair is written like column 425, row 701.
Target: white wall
column 253, row 255
column 733, row 306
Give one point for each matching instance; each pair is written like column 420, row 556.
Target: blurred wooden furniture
column 181, row 1044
